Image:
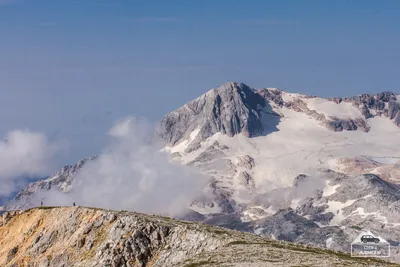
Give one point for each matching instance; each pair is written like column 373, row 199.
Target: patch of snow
column 258, row 231
column 289, row 97
column 336, row 208
column 329, row 189
column 294, row 203
column 320, row 224
column 248, row 215
column 193, row 134
column 368, row 196
column 343, row 110
column 270, row 210
column 206, row 210
column 386, row 160
column 182, row 145
column 363, row 214
column 329, row 242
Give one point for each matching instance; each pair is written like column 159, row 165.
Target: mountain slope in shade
column 78, row 236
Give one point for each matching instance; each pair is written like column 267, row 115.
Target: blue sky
column 70, row 68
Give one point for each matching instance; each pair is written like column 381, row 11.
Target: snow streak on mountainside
column 254, row 143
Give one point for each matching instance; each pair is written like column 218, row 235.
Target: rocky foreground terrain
column 78, row 236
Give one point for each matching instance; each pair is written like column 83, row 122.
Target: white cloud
column 25, row 154
column 132, row 174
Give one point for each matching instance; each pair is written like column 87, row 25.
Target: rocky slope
column 78, row 236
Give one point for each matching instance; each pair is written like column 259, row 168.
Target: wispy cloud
column 267, row 22
column 25, row 154
column 156, row 19
column 133, row 174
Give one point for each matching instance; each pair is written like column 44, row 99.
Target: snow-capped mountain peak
column 279, row 161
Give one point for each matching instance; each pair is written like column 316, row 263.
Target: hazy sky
column 70, row 68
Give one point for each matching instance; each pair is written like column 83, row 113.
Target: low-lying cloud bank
column 133, row 174
column 25, row 154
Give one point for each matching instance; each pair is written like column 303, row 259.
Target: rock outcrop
column 230, row 109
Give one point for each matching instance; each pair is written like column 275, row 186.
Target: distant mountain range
column 283, row 165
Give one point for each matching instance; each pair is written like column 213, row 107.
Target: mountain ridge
column 80, row 236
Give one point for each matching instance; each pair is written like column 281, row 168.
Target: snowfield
column 302, row 145
column 342, row 110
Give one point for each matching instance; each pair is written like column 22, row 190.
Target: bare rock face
column 246, row 162
column 338, row 125
column 394, row 109
column 274, row 95
column 382, row 104
column 231, row 109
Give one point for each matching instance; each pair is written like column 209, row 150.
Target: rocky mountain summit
column 78, row 236
column 236, row 108
column 231, row 109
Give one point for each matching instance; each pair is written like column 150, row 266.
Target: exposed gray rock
column 394, row 109
column 338, row 125
column 285, row 225
column 273, row 95
column 246, row 162
column 366, row 112
column 246, row 180
column 231, row 109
